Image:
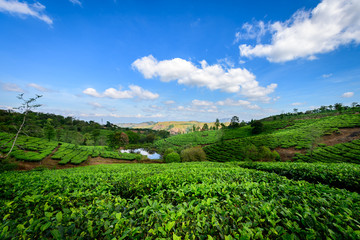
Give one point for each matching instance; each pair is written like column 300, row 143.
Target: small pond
column 149, row 154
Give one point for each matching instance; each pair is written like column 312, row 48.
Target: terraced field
column 32, row 149
column 301, row 135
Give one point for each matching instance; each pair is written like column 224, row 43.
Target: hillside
column 174, row 127
column 242, row 189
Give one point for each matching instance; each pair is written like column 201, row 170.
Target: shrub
column 265, row 154
column 196, row 154
column 167, row 152
column 277, row 156
column 172, row 157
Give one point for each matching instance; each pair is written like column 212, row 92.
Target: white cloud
column 11, row 87
column 196, row 102
column 38, row 87
column 226, row 62
column 348, row 95
column 297, row 104
column 75, row 2
column 214, row 77
column 92, row 92
column 252, row 31
column 169, row 102
column 135, row 91
column 331, row 24
column 117, row 94
column 142, row 93
column 242, row 103
column 24, row 9
column 327, row 75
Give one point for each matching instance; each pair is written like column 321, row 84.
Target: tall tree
column 234, row 122
column 217, row 124
column 49, row 129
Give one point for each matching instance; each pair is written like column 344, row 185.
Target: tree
column 25, row 108
column 95, row 135
column 338, row 106
column 295, row 110
column 88, row 139
column 322, row 108
column 205, row 127
column 217, row 124
column 49, row 129
column 117, row 140
column 234, row 122
column 354, row 104
column 258, row 127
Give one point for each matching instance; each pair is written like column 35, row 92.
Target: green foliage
column 342, row 175
column 299, row 134
column 172, row 157
column 258, row 127
column 27, row 148
column 49, row 130
column 343, row 152
column 117, row 140
column 195, row 154
column 172, row 201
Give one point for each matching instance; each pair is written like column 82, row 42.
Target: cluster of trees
column 194, row 154
column 117, row 139
column 337, row 107
column 71, row 130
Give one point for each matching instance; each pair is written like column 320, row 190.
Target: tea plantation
column 33, row 149
column 172, row 201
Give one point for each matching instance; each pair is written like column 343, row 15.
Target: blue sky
column 135, row 61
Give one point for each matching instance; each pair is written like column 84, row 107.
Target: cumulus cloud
column 348, row 95
column 242, row 103
column 11, row 87
column 38, row 87
column 135, row 91
column 24, row 9
column 330, row 24
column 214, row 77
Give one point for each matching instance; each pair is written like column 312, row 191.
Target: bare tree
column 26, row 106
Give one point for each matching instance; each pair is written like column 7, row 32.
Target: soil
column 286, row 154
column 344, row 135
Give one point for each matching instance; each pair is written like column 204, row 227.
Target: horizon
column 141, row 61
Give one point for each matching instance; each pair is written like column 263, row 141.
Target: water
column 152, row 155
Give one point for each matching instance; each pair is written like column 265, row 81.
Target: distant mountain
column 174, row 127
column 136, row 125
